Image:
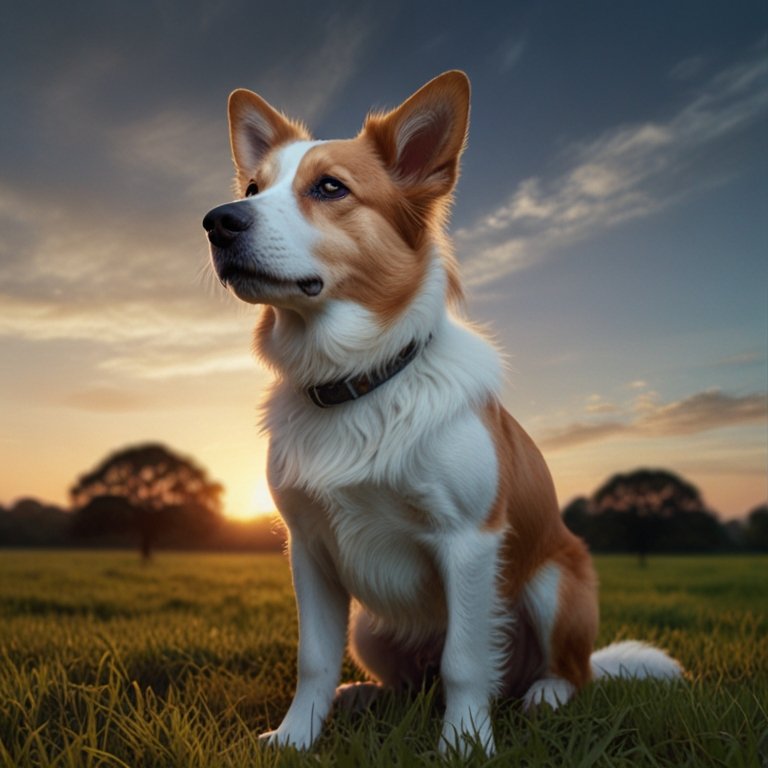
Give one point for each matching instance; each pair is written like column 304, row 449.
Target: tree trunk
column 146, row 545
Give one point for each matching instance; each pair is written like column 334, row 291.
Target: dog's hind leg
column 562, row 601
column 392, row 663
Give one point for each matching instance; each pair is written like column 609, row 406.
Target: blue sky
column 610, row 222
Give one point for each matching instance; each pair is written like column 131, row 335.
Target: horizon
column 255, row 517
column 609, row 223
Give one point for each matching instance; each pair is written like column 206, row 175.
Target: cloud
column 749, row 357
column 510, row 54
column 580, row 432
column 701, row 412
column 601, row 407
column 106, row 400
column 688, row 68
column 704, row 411
column 627, row 173
column 172, row 363
column 109, row 321
column 148, row 305
column 188, row 152
column 118, row 281
column 307, row 87
column 117, row 257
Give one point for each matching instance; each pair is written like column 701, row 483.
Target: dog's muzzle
column 225, row 223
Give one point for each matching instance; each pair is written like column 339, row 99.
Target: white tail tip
column 632, row 658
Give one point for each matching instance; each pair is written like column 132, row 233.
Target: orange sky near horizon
column 220, row 432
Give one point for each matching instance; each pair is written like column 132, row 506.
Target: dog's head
column 352, row 219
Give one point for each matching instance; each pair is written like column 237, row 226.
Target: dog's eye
column 252, row 189
column 329, row 188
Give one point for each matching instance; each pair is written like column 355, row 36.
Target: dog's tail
column 633, row 659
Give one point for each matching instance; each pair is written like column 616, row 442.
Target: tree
column 33, row 523
column 756, row 533
column 648, row 492
column 150, row 489
column 578, row 515
column 645, row 510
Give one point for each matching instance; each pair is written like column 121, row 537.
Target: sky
column 611, row 222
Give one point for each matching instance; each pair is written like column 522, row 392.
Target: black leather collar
column 342, row 391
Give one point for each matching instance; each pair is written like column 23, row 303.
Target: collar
column 343, row 390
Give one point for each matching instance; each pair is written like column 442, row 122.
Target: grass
column 105, row 662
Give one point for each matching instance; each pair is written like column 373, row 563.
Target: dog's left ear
column 422, row 140
column 255, row 127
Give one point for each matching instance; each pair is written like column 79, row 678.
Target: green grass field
column 105, row 662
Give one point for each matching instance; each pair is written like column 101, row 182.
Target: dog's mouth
column 235, row 276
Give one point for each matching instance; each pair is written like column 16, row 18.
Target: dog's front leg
column 470, row 660
column 323, row 608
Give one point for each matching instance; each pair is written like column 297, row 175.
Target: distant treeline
column 150, row 497
column 30, row 523
column 654, row 510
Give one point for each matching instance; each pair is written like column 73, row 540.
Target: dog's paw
column 473, row 733
column 552, row 691
column 466, row 744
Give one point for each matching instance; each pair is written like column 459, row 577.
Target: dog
column 424, row 530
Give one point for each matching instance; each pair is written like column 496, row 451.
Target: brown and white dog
column 424, row 527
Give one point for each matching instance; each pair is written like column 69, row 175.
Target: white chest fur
column 382, row 556
column 376, row 483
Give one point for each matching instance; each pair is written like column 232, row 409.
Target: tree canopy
column 756, row 533
column 149, row 476
column 150, row 488
column 648, row 492
column 646, row 510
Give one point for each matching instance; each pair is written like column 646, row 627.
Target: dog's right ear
column 255, row 128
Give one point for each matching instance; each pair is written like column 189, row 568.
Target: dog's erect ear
column 421, row 141
column 255, row 127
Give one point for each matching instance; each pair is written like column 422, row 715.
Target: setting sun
column 261, row 501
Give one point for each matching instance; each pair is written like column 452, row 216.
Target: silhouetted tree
column 646, row 510
column 756, row 529
column 151, row 489
column 33, row 523
column 578, row 515
column 110, row 519
column 646, row 499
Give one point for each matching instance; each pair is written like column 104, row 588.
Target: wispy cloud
column 582, row 432
column 510, row 53
column 629, row 172
column 123, row 266
column 307, row 86
column 172, row 362
column 688, row 68
column 109, row 321
column 647, row 417
column 104, row 399
column 120, row 279
column 749, row 357
column 705, row 411
column 596, row 404
column 189, row 153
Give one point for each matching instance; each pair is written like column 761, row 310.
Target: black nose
column 225, row 223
